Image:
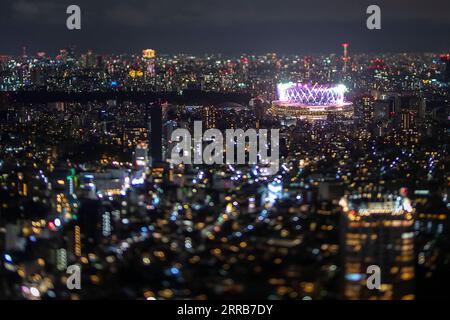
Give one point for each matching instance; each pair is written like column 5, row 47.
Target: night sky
column 226, row 26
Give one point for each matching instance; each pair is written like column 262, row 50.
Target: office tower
column 209, row 117
column 106, row 224
column 140, row 155
column 447, row 71
column 445, row 58
column 61, row 259
column 365, row 110
column 92, row 224
column 307, row 63
column 377, row 230
column 168, row 128
column 397, row 105
column 149, row 67
column 408, row 120
column 260, row 108
column 381, row 110
column 431, row 227
column 154, row 116
column 37, row 76
column 24, row 53
column 63, row 55
column 74, row 249
column 90, row 59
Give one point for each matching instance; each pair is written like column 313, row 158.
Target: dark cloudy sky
column 228, row 26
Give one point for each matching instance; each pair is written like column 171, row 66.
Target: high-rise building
column 90, row 59
column 154, row 116
column 365, row 110
column 431, row 227
column 445, row 58
column 209, row 117
column 169, row 127
column 149, row 66
column 408, row 119
column 377, row 230
column 140, row 155
column 381, row 110
column 260, row 108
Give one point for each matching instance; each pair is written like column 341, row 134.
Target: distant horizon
column 51, row 53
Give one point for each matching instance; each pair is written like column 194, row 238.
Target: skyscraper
column 154, row 116
column 445, row 58
column 377, row 231
column 149, row 66
column 209, row 117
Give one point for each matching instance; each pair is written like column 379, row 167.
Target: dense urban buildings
column 85, row 140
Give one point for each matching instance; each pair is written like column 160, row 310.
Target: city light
column 314, row 95
column 153, row 174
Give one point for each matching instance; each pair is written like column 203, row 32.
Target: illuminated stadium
column 311, row 102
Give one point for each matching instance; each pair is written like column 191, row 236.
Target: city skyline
column 267, row 170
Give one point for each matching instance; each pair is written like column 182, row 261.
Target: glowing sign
column 136, row 73
column 149, row 54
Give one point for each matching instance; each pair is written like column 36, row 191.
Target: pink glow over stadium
column 311, row 102
column 311, row 95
